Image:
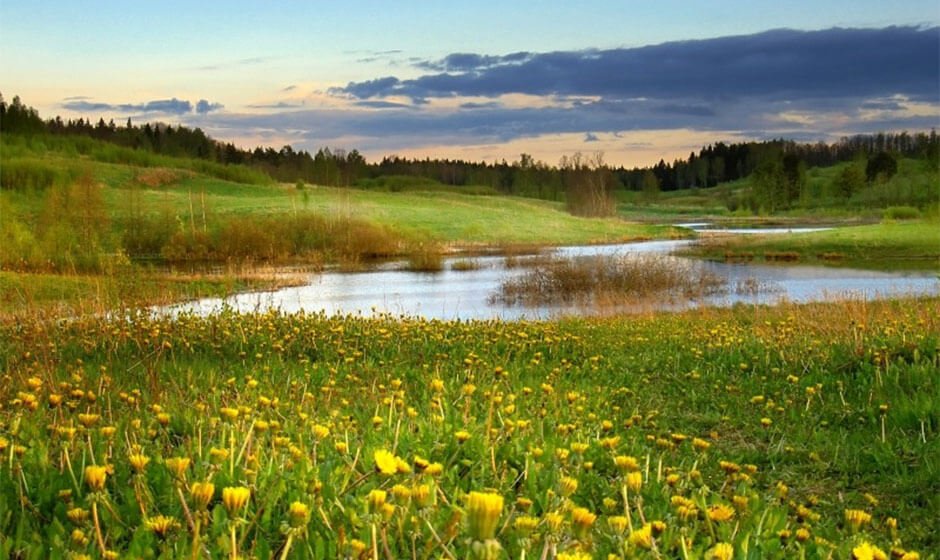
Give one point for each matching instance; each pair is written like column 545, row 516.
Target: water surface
column 465, row 295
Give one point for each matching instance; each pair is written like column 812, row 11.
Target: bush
column 901, row 213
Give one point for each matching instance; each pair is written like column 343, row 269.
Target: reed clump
column 557, row 280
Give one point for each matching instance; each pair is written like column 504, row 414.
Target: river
column 467, row 294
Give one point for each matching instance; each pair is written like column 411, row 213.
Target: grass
column 24, row 295
column 794, row 431
column 890, row 244
column 608, row 279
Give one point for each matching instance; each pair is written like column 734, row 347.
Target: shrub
column 901, row 213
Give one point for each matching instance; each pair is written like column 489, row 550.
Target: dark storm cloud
column 778, row 64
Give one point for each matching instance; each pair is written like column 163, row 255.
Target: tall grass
column 560, row 280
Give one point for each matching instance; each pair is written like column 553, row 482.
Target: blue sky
column 483, row 80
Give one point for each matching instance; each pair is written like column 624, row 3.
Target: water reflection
column 466, row 294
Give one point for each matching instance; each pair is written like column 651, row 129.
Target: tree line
column 710, row 166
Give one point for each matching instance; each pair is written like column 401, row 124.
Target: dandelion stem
column 98, row 536
column 290, row 541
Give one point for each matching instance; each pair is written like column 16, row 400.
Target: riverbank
column 887, row 245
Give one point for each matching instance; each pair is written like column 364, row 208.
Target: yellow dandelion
column 856, row 518
column 720, row 512
column 138, row 462
column 235, row 498
column 635, row 481
column 202, row 493
column 162, row 525
column 867, row 551
column 385, row 462
column 642, row 537
column 568, row 485
column 721, row 551
column 95, row 477
column 298, row 514
column 483, row 511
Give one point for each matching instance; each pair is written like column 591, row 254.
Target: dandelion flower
column 202, row 493
column 483, row 511
column 721, row 551
column 385, row 462
column 866, row 551
column 95, row 477
column 235, row 498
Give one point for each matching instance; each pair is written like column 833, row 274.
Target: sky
column 485, row 80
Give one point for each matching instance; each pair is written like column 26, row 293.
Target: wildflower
column 700, row 444
column 626, row 463
column 202, row 494
column 866, row 551
column 721, row 551
column 217, row 455
column 434, row 469
column 162, row 525
column 320, row 431
column 483, row 511
column 385, row 462
column 618, row 523
column 525, row 524
column 554, row 521
column 573, row 555
column 423, row 495
column 235, row 499
column 138, row 462
column 856, row 518
column 178, row 466
column 298, row 513
column 802, row 534
column 462, row 436
column 720, row 512
column 568, row 485
column 95, row 477
column 78, row 515
column 88, row 420
column 376, row 500
column 642, row 537
column 582, row 520
column 635, row 481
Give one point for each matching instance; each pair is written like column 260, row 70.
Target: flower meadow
column 753, row 432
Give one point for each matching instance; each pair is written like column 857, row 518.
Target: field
column 794, row 431
column 889, row 244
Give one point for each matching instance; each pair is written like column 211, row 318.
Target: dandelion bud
column 235, row 498
column 635, row 481
column 617, row 524
column 178, row 466
column 95, row 477
column 138, row 462
column 299, row 513
column 626, row 463
column 376, row 500
column 568, row 485
column 525, row 524
column 202, row 494
column 582, row 520
column 483, row 511
column 721, row 551
column 642, row 537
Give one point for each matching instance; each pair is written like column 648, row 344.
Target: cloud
column 383, row 105
column 171, row 106
column 203, row 106
column 780, row 64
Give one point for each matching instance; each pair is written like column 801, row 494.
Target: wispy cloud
column 171, row 106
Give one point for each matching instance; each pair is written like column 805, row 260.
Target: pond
column 468, row 294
